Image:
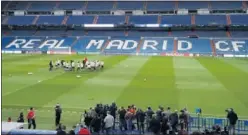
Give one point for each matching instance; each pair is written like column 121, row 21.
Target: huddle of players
column 67, row 65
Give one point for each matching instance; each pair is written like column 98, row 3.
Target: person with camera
column 232, row 118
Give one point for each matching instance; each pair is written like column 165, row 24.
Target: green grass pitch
column 213, row 84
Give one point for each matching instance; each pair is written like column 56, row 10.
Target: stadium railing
column 207, row 123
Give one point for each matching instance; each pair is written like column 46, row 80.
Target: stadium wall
column 152, row 46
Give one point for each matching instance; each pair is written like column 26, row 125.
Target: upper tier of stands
column 123, row 5
column 132, row 19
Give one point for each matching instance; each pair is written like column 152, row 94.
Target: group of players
column 76, row 66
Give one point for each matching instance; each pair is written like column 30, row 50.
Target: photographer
column 58, row 112
column 232, row 118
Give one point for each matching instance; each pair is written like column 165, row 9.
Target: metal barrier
column 208, row 122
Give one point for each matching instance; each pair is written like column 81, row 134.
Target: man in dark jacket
column 165, row 127
column 21, row 118
column 96, row 124
column 174, row 121
column 62, row 131
column 232, row 117
column 72, row 131
column 155, row 125
column 149, row 114
column 58, row 112
column 122, row 123
column 113, row 109
column 140, row 116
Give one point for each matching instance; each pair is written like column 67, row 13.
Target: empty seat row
column 236, row 34
column 123, row 5
column 145, row 19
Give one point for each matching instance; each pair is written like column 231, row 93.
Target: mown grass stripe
column 152, row 86
column 234, row 80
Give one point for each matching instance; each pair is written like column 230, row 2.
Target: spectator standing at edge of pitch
column 109, row 122
column 140, row 116
column 21, row 118
column 113, row 109
column 174, row 121
column 232, row 118
column 122, row 122
column 31, row 118
column 149, row 114
column 62, row 131
column 58, row 112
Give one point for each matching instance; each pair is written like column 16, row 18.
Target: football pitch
column 212, row 84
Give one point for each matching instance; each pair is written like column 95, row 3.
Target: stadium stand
column 78, row 20
column 105, row 5
column 129, row 5
column 65, row 5
column 109, row 19
column 192, row 5
column 176, row 19
column 160, row 5
column 42, row 6
column 161, row 28
column 224, row 5
column 210, row 20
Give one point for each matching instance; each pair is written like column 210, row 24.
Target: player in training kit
column 72, row 65
column 57, row 63
column 50, row 66
column 78, row 66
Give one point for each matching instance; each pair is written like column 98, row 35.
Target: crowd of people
column 107, row 119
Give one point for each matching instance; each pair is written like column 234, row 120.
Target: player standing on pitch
column 50, row 66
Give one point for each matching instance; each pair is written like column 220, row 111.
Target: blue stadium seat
column 227, row 46
column 210, row 19
column 67, row 5
column 52, row 20
column 181, row 33
column 111, row 19
column 239, row 34
column 80, row 20
column 18, row 5
column 76, row 33
column 114, row 50
column 168, row 47
column 105, row 33
column 239, row 19
column 20, row 20
column 22, row 33
column 210, row 33
column 50, row 33
column 144, row 19
column 100, row 5
column 198, row 45
column 130, row 5
column 147, row 33
column 82, row 43
column 192, row 5
column 42, row 6
column 226, row 5
column 176, row 19
column 160, row 5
